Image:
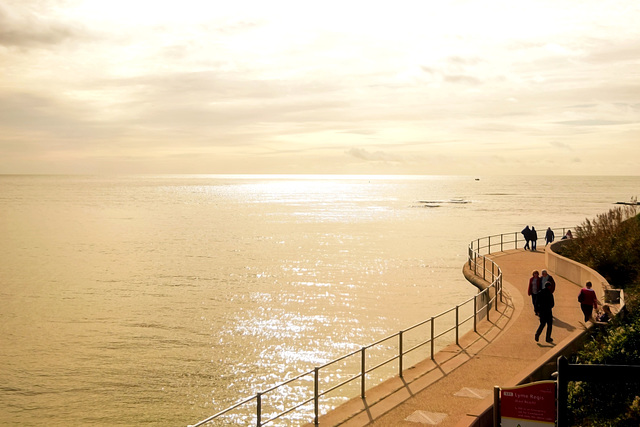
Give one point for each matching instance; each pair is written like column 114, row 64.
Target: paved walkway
column 459, row 383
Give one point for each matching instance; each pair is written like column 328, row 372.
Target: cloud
column 41, row 120
column 610, row 53
column 377, row 156
column 562, row 145
column 219, row 102
column 456, row 70
column 593, row 122
column 462, row 61
column 25, row 28
column 364, row 132
column 20, row 109
column 460, row 78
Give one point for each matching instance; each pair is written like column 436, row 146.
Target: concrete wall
column 578, row 273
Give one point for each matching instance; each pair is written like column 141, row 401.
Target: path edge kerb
column 544, row 367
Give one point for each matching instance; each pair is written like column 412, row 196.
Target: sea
column 158, row 300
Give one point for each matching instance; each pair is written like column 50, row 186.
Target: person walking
column 545, row 303
column 588, row 301
column 534, row 238
column 549, row 236
column 547, row 281
column 526, row 232
column 535, row 285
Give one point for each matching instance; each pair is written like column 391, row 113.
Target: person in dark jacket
column 526, row 232
column 605, row 315
column 547, row 281
column 535, row 285
column 545, row 303
column 549, row 236
column 534, row 238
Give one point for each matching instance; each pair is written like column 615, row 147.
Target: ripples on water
column 161, row 300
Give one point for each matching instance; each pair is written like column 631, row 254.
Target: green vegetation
column 610, row 244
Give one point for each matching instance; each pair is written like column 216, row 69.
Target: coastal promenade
column 456, row 387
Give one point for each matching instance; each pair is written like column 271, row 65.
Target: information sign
column 528, row 405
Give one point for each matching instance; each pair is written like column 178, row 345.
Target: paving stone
column 475, row 393
column 424, row 417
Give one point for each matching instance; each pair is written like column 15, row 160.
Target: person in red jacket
column 588, row 301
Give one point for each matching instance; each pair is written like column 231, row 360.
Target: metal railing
column 500, row 242
column 402, row 344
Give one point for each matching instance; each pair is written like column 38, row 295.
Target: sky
column 425, row 87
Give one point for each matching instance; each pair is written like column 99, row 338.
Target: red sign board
column 532, row 404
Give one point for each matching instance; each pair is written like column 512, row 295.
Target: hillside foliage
column 610, row 244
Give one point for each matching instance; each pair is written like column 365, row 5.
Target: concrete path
column 458, row 385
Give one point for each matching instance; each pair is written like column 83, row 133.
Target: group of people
column 531, row 237
column 541, row 289
column 589, row 302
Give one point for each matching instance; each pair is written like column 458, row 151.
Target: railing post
column 432, row 335
column 484, row 268
column 259, row 409
column 489, row 250
column 363, row 368
column 475, row 313
column 488, row 303
column 475, row 263
column 400, row 352
column 562, row 385
column 316, row 396
column 496, row 406
column 457, row 324
column 516, row 240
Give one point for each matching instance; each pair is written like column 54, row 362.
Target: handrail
column 477, row 263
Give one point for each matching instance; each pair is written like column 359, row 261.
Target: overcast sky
column 403, row 87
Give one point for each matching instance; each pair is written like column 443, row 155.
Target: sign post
column 528, row 405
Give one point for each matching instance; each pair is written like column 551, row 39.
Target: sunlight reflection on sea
column 163, row 299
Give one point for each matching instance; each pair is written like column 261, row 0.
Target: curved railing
column 500, row 242
column 379, row 355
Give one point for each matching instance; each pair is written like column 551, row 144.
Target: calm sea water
column 160, row 300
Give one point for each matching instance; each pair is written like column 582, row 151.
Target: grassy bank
column 610, row 244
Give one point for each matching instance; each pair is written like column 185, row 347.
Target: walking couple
column 541, row 289
column 530, row 237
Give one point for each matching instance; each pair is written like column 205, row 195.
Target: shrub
column 610, row 244
column 608, row 404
